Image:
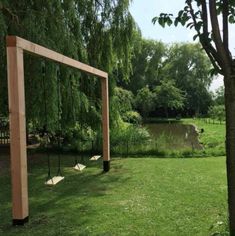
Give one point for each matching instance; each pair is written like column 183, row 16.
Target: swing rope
column 51, row 181
column 59, row 173
column 45, row 131
column 82, row 121
column 78, row 166
column 94, row 157
column 73, row 113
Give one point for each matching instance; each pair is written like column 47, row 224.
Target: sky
column 143, row 13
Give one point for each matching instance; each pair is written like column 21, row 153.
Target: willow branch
column 9, row 12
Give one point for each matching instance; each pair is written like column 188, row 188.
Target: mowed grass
column 139, row 196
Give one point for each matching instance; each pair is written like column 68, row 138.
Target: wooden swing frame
column 16, row 96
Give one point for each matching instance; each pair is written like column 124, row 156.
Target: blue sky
column 144, row 10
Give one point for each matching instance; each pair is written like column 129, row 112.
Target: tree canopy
column 168, row 96
column 184, row 63
column 95, row 32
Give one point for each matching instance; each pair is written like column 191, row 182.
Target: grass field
column 139, row 196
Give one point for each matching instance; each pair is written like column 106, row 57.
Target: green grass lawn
column 213, row 137
column 139, row 196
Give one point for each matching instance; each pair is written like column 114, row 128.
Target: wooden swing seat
column 95, row 158
column 79, row 167
column 53, row 181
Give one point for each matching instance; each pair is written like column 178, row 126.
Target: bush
column 132, row 117
column 127, row 136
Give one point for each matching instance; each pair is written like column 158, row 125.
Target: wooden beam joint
column 11, row 41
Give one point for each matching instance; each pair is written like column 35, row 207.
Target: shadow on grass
column 66, row 205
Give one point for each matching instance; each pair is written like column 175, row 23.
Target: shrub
column 132, row 117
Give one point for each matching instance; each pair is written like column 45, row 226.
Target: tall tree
column 168, row 96
column 189, row 67
column 145, row 101
column 95, row 32
column 147, row 61
column 204, row 16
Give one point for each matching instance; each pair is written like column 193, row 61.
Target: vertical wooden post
column 16, row 98
column 105, row 124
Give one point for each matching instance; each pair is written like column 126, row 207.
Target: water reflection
column 175, row 135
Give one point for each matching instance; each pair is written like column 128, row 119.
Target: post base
column 20, row 222
column 106, row 166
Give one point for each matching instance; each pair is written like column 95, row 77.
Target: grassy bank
column 213, row 137
column 141, row 196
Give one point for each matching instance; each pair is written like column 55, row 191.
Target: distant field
column 139, row 196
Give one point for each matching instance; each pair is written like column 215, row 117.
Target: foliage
column 128, row 133
column 95, row 32
column 147, row 60
column 168, row 96
column 195, row 15
column 217, row 112
column 219, row 96
column 189, row 67
column 132, row 117
column 123, row 100
column 184, row 63
column 145, row 101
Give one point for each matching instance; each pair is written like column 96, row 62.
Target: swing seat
column 95, row 158
column 53, row 181
column 79, row 167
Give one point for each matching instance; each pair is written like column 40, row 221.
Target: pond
column 175, row 135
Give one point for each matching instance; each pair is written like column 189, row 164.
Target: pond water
column 175, row 135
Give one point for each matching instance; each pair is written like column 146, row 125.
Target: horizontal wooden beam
column 14, row 41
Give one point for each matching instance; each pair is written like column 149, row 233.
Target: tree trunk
column 229, row 83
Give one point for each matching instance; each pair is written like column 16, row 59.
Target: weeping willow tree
column 97, row 32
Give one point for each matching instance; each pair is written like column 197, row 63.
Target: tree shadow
column 66, row 202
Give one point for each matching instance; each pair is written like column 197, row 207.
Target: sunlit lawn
column 139, row 196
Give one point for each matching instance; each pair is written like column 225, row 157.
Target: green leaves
column 168, row 95
column 98, row 33
column 217, row 112
column 163, row 19
column 168, row 19
column 231, row 19
column 145, row 101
